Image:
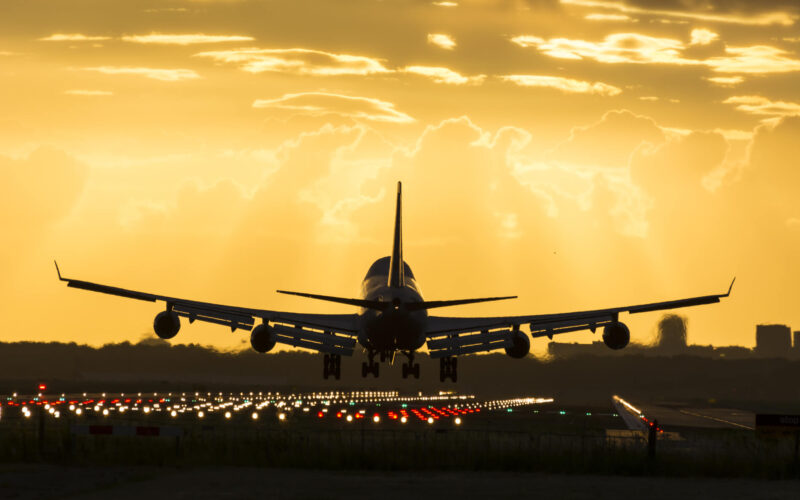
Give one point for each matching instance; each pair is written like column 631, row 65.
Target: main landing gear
column 410, row 368
column 372, row 366
column 448, row 368
column 332, row 365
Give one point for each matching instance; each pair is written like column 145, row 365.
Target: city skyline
column 576, row 153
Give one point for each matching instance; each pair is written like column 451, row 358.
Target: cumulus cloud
column 443, row 75
column 297, row 61
column 35, row 192
column 184, row 39
column 166, row 75
column 609, row 141
column 73, row 37
column 759, row 105
column 323, row 103
column 702, row 36
column 89, row 93
column 763, row 19
column 442, row 41
column 566, row 85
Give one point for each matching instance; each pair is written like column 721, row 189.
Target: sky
column 577, row 153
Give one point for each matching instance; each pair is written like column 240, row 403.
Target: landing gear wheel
column 370, row 367
column 332, row 365
column 410, row 368
column 448, row 368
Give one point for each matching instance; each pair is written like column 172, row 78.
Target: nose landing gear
column 410, row 368
column 372, row 366
column 448, row 368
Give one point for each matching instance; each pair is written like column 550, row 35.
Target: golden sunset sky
column 578, row 153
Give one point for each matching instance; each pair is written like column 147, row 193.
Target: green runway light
column 509, row 410
column 562, row 412
column 588, row 414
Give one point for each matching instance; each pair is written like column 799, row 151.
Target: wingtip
column 731, row 287
column 58, row 271
column 399, row 187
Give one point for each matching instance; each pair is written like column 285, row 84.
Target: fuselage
column 394, row 328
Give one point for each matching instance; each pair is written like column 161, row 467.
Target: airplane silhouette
column 392, row 318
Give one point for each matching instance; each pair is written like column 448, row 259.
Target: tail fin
column 396, row 278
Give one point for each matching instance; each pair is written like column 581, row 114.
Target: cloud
column 753, row 59
column 615, row 48
column 73, row 37
column 702, row 36
column 609, row 17
column 297, row 61
column 758, row 105
column 89, row 92
column 445, row 4
column 726, row 81
column 566, row 85
column 442, row 41
column 443, row 75
column 185, row 39
column 635, row 48
column 166, row 75
column 763, row 19
column 36, row 192
column 609, row 141
column 323, row 103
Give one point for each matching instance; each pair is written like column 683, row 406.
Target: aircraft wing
column 329, row 333
column 451, row 336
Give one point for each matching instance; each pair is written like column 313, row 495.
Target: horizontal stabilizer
column 368, row 304
column 430, row 304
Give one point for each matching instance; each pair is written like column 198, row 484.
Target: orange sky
column 577, row 153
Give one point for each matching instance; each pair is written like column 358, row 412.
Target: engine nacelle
column 521, row 346
column 616, row 335
column 166, row 324
column 262, row 338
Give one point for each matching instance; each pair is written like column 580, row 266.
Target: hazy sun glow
column 577, row 153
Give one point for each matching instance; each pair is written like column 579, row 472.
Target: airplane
column 392, row 318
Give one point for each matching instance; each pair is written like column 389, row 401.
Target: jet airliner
column 392, row 318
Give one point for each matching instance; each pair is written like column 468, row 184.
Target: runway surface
column 122, row 483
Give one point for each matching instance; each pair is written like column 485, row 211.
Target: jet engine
column 166, row 324
column 262, row 338
column 520, row 347
column 616, row 335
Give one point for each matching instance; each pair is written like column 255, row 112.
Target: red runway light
column 320, row 415
column 42, row 387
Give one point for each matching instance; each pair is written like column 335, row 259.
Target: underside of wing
column 329, row 333
column 449, row 336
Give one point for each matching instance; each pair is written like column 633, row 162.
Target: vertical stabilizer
column 396, row 278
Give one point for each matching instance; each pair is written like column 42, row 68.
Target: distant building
column 796, row 344
column 773, row 340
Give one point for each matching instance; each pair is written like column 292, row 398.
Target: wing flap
column 547, row 325
column 336, row 331
column 469, row 342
